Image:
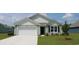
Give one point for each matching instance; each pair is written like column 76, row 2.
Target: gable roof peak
column 44, row 14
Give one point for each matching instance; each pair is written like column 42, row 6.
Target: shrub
column 46, row 34
column 68, row 38
column 65, row 28
column 10, row 33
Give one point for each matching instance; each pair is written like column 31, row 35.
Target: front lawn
column 3, row 36
column 59, row 40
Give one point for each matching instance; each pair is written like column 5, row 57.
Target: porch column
column 38, row 30
column 60, row 29
column 57, row 29
column 50, row 30
column 16, row 30
column 46, row 29
column 53, row 29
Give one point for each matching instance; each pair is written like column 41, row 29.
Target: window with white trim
column 52, row 28
column 55, row 28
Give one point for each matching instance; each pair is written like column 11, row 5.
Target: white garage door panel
column 28, row 32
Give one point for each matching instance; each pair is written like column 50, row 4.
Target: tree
column 65, row 28
column 5, row 28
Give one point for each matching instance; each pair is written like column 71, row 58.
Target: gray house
column 38, row 24
column 74, row 28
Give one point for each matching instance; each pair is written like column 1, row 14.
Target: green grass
column 3, row 36
column 59, row 40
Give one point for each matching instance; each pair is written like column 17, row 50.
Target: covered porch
column 51, row 29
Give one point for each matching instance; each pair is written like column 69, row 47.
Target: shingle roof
column 51, row 21
column 76, row 24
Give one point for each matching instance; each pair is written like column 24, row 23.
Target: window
column 58, row 29
column 55, row 29
column 51, row 28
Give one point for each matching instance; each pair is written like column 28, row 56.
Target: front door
column 42, row 30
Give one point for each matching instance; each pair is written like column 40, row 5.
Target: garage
column 27, row 30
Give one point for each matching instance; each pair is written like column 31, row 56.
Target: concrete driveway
column 20, row 40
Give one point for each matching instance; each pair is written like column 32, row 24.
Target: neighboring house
column 74, row 28
column 38, row 24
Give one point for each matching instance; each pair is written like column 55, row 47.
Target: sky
column 11, row 18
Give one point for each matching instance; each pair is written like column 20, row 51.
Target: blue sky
column 10, row 18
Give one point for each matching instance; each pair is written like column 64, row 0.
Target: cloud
column 2, row 17
column 67, row 15
column 70, row 18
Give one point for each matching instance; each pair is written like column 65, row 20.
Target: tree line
column 5, row 28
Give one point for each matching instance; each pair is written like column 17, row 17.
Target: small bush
column 46, row 34
column 52, row 34
column 10, row 34
column 56, row 34
column 68, row 38
column 65, row 28
column 65, row 34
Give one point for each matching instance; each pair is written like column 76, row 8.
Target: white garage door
column 28, row 31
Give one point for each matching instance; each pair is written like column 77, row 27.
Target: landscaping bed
column 72, row 39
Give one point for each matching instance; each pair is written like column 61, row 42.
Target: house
column 74, row 28
column 38, row 24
